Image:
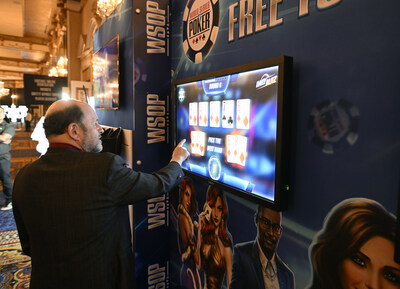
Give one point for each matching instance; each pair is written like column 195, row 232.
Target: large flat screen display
column 236, row 125
column 106, row 75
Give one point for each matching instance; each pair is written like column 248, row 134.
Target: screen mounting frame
column 283, row 131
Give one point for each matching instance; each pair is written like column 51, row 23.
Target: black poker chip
column 333, row 125
column 200, row 28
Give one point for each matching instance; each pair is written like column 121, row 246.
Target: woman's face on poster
column 186, row 198
column 371, row 267
column 216, row 212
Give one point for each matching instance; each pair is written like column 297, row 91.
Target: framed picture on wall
column 77, row 91
column 106, row 75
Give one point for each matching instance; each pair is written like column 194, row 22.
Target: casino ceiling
column 30, row 31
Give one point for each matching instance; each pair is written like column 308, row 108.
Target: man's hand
column 180, row 154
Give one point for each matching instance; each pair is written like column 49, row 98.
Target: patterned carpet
column 7, row 222
column 8, row 237
column 15, row 267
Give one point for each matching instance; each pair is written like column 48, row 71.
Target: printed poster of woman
column 189, row 275
column 355, row 248
column 211, row 249
column 214, row 245
column 205, row 247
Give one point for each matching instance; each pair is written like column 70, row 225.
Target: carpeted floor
column 24, row 153
column 8, row 237
column 7, row 222
column 15, row 267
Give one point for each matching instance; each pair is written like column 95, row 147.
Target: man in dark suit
column 256, row 264
column 71, row 205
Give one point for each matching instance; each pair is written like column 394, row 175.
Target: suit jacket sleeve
column 128, row 186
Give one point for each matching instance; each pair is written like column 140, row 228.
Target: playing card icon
column 242, row 158
column 245, row 121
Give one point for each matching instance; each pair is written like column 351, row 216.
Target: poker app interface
column 230, row 125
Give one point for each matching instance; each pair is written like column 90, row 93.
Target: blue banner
column 345, row 123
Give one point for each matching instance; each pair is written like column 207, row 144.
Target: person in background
column 355, row 248
column 28, row 119
column 7, row 132
column 214, row 245
column 7, row 119
column 71, row 205
column 256, row 264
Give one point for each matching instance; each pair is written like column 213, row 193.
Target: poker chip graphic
column 333, row 125
column 138, row 73
column 200, row 28
column 214, row 168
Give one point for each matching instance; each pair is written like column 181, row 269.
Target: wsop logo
column 200, row 28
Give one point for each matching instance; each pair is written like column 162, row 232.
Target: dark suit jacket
column 72, row 217
column 247, row 270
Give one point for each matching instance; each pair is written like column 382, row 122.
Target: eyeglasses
column 266, row 224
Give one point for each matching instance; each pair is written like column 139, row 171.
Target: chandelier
column 60, row 69
column 58, row 54
column 106, row 7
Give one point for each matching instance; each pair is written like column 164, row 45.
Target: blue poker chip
column 333, row 125
column 200, row 28
column 214, row 168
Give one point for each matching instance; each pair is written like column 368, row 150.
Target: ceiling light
column 106, row 7
column 60, row 69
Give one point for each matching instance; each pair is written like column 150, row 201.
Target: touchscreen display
column 230, row 124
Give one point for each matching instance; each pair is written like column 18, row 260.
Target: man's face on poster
column 269, row 229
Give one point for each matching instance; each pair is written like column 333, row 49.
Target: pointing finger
column 181, row 143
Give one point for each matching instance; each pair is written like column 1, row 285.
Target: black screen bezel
column 282, row 178
column 397, row 238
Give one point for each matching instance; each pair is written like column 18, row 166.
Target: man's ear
column 73, row 131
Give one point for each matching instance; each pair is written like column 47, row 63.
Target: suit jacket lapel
column 280, row 268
